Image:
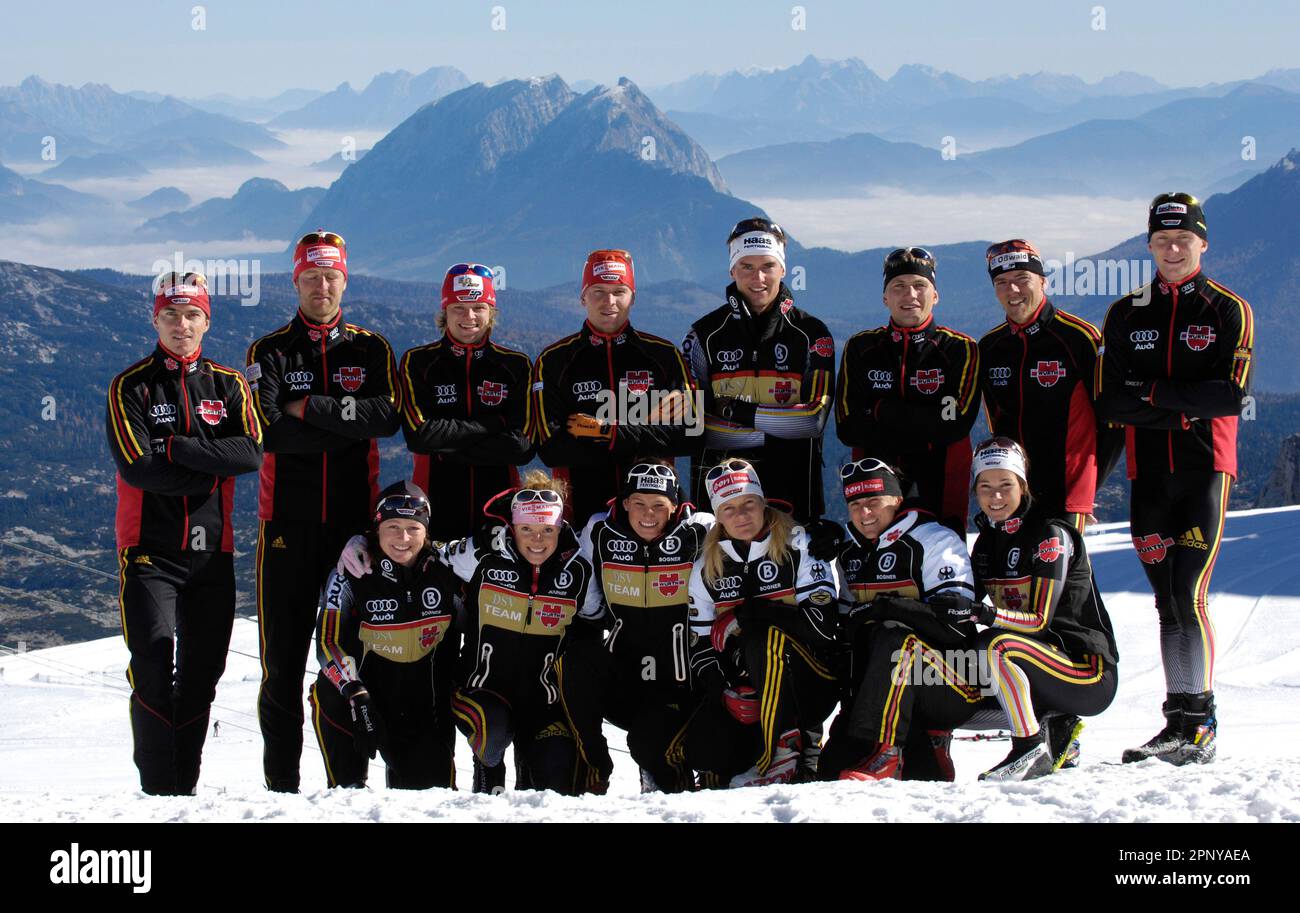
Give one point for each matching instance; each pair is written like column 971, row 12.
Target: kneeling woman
column 375, row 640
column 1049, row 646
column 524, row 587
column 769, row 608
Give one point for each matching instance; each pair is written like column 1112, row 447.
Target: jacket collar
column 597, row 338
column 1040, row 318
column 1191, row 284
column 912, row 334
column 173, row 363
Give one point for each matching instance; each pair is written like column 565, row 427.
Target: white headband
column 541, row 513
column 756, row 244
column 733, row 484
column 995, row 457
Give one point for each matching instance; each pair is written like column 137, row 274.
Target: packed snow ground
column 65, row 742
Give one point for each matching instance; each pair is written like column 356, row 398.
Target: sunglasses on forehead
column 719, row 471
column 477, row 269
column 1186, row 199
column 902, row 253
column 745, row 226
column 168, row 280
column 999, row 440
column 651, row 469
column 1010, row 247
column 865, row 465
column 402, row 504
column 528, row 495
column 323, row 237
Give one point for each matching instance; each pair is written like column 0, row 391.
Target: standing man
column 325, row 390
column 1175, row 367
column 179, row 427
column 1038, row 369
column 465, row 406
column 907, row 391
column 608, row 393
column 765, row 367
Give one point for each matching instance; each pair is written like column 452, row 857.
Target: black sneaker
column 1061, row 732
column 1165, row 742
column 1026, row 761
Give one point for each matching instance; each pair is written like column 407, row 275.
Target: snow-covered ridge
column 66, row 755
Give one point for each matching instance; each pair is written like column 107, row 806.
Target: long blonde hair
column 779, row 528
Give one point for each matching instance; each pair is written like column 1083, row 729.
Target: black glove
column 825, row 539
column 955, row 607
column 736, row 410
column 823, row 620
column 158, row 446
column 365, row 718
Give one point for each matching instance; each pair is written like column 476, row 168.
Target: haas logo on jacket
column 491, row 393
column 1152, row 549
column 782, row 390
column 211, row 411
column 669, row 584
column 638, row 381
column 929, row 380
column 1197, row 338
column 350, row 378
column 1047, row 373
column 1050, row 549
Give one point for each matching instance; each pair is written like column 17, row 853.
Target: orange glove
column 581, row 425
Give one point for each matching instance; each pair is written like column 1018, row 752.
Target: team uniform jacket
column 799, row 594
column 517, row 614
column 314, row 468
column 909, row 397
column 578, row 374
column 645, row 586
column 178, row 431
column 784, row 363
column 1037, row 382
column 377, row 629
column 1194, row 340
column 465, row 416
column 1037, row 575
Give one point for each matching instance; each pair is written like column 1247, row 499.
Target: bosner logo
column 77, row 866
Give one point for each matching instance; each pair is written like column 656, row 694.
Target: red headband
column 319, row 255
column 196, row 295
column 608, row 267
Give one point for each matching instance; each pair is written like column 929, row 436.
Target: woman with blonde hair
column 769, row 609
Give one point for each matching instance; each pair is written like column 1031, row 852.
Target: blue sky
column 261, row 48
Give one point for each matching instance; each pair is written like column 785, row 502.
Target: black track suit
column 1037, row 381
column 1174, row 370
column 639, row 678
column 465, row 415
column 577, row 375
column 382, row 630
column 178, row 430
column 787, row 615
column 906, row 665
column 318, row 488
column 909, row 396
column 1049, row 644
column 516, row 616
column 783, row 362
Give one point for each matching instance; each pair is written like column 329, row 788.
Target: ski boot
column 1167, row 740
column 491, row 780
column 1200, row 726
column 1061, row 732
column 782, row 769
column 1027, row 760
column 886, row 763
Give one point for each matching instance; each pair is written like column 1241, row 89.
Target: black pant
column 293, row 561
column 1031, row 677
column 177, row 613
column 905, row 678
column 1177, row 523
column 545, row 754
column 409, row 742
column 596, row 685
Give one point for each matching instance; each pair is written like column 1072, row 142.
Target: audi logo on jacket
column 645, row 586
column 577, row 374
column 323, row 468
column 465, row 416
column 799, row 594
column 381, row 629
column 781, row 364
column 918, row 412
column 1037, row 381
column 178, row 430
column 1174, row 368
column 516, row 613
column 1036, row 573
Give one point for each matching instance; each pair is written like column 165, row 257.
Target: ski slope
column 65, row 742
